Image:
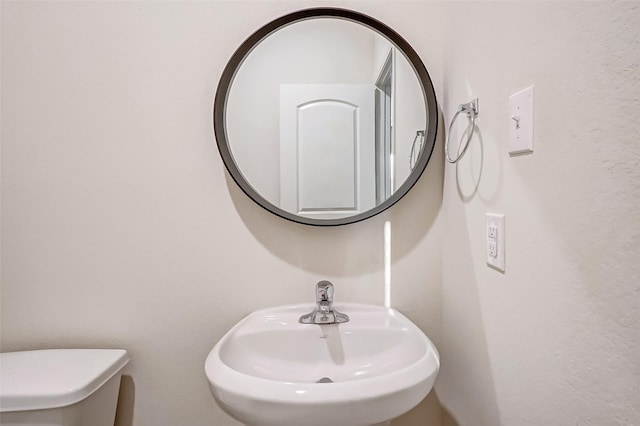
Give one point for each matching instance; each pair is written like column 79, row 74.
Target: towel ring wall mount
column 470, row 109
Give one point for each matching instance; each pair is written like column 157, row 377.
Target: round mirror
column 325, row 117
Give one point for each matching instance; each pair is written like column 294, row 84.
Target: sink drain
column 325, row 380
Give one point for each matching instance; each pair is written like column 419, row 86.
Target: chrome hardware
column 470, row 109
column 324, row 313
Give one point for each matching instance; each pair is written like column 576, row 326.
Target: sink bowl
column 271, row 370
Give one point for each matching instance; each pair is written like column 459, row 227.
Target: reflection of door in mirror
column 304, row 182
column 326, row 155
column 317, row 51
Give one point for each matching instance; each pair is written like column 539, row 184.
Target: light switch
column 521, row 122
column 495, row 241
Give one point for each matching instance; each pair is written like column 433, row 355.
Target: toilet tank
column 60, row 387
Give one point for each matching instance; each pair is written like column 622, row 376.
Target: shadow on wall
column 466, row 370
column 126, row 402
column 468, row 183
column 428, row 413
column 471, row 169
column 447, row 418
column 353, row 249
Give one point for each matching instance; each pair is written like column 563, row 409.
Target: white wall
column 120, row 227
column 381, row 48
column 555, row 339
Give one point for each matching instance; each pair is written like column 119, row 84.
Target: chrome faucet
column 324, row 313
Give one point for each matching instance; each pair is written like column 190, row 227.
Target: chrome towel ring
column 471, row 110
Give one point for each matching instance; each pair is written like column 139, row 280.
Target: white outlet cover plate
column 521, row 122
column 496, row 220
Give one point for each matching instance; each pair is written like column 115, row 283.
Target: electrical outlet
column 495, row 241
column 492, row 231
column 493, row 249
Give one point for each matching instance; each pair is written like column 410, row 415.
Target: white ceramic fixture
column 269, row 369
column 60, row 387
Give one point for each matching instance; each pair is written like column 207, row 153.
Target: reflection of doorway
column 326, row 156
column 384, row 131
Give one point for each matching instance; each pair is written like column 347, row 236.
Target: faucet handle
column 324, row 292
column 324, row 313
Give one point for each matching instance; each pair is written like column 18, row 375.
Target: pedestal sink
column 270, row 370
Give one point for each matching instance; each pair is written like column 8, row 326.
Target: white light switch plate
column 521, row 122
column 494, row 237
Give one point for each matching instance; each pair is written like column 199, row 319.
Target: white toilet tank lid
column 52, row 378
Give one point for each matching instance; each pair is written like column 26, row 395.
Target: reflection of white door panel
column 327, row 165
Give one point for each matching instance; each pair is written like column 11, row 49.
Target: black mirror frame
column 219, row 110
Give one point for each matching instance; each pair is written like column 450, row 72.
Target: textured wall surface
column 120, row 227
column 555, row 339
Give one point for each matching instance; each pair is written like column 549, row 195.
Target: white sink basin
column 271, row 370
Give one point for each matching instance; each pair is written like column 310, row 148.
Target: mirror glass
column 325, row 120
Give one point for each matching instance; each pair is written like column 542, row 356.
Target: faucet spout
column 324, row 313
